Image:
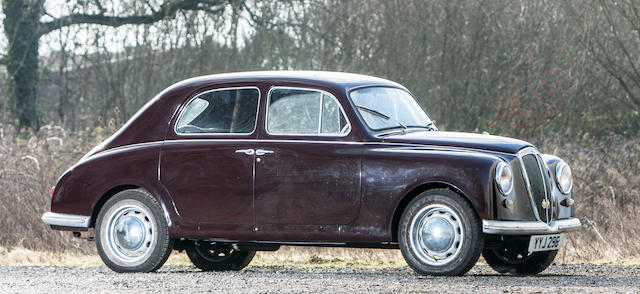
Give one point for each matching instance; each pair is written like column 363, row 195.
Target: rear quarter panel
column 80, row 189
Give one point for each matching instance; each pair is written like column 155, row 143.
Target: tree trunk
column 21, row 25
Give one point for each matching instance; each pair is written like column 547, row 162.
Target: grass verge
column 290, row 256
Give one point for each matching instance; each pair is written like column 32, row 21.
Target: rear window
column 226, row 111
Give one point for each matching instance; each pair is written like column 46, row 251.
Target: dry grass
column 21, row 256
column 607, row 192
column 28, row 169
column 606, row 188
column 320, row 256
column 287, row 255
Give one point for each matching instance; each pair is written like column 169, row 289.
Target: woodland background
column 564, row 75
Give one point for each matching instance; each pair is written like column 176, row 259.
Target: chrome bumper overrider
column 529, row 227
column 66, row 220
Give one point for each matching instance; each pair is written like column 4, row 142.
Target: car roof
column 141, row 127
column 335, row 80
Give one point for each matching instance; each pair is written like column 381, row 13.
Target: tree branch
column 100, row 7
column 167, row 11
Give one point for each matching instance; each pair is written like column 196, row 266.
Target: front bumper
column 530, row 227
column 66, row 220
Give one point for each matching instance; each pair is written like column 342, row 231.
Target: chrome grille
column 537, row 184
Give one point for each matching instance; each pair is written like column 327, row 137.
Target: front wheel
column 132, row 234
column 209, row 256
column 513, row 257
column 440, row 234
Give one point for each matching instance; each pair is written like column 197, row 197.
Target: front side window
column 227, row 111
column 305, row 112
column 384, row 108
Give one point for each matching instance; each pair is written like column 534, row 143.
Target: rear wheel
column 209, row 256
column 132, row 234
column 513, row 257
column 440, row 234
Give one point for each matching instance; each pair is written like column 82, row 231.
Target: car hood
column 459, row 139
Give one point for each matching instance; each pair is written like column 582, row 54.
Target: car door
column 307, row 173
column 207, row 161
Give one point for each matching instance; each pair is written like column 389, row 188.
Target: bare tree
column 522, row 68
column 23, row 28
column 615, row 45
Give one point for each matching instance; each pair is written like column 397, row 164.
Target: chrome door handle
column 246, row 151
column 263, row 152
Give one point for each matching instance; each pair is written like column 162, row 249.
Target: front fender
column 560, row 201
column 391, row 173
column 468, row 172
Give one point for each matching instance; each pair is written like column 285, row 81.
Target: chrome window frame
column 318, row 134
column 184, row 108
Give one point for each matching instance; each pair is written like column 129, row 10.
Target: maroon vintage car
column 225, row 165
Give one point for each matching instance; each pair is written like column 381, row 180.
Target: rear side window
column 305, row 112
column 226, row 111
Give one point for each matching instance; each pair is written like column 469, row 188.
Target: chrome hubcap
column 130, row 233
column 436, row 234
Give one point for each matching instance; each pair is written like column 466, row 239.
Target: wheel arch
column 406, row 199
column 117, row 189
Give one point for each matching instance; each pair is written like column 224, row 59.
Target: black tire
column 513, row 257
column 461, row 252
column 209, row 256
column 139, row 211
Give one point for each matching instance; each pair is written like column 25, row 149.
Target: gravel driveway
column 293, row 279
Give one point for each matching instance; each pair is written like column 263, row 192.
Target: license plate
column 545, row 242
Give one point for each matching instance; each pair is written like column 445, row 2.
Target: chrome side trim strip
column 530, row 227
column 399, row 145
column 66, row 220
column 262, row 141
column 249, row 140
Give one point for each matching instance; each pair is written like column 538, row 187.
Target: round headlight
column 564, row 180
column 504, row 178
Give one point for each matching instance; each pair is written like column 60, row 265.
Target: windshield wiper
column 382, row 115
column 431, row 126
column 373, row 111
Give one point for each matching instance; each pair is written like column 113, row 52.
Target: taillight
column 52, row 189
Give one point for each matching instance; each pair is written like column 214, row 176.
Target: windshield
column 384, row 108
